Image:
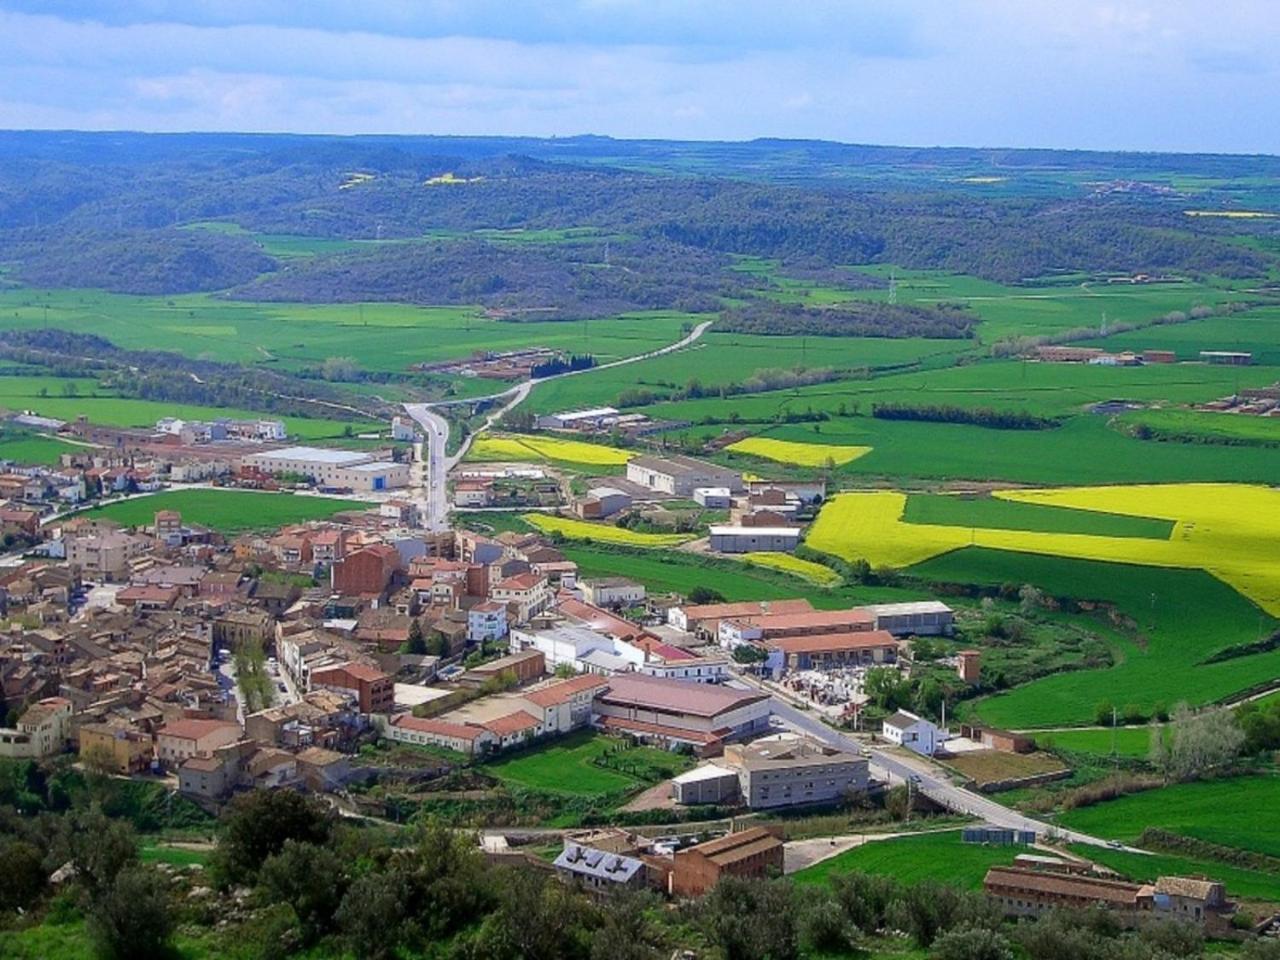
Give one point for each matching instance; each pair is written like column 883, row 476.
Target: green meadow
column 1180, row 618
column 378, row 336
column 227, row 511
column 30, row 448
column 572, row 765
column 928, row 856
column 1225, row 812
column 950, row 510
column 1133, row 743
column 1207, row 426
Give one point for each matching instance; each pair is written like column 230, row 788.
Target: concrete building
column 332, row 468
column 689, row 670
column 713, row 498
column 566, row 704
column 914, row 732
column 104, row 556
column 708, row 783
column 787, row 771
column 753, row 853
column 740, row 539
column 679, row 476
column 969, row 665
column 473, row 493
column 43, row 730
column 601, row 502
column 568, row 645
column 122, row 750
column 921, row 618
column 372, row 689
column 612, row 591
column 467, row 738
column 487, row 622
column 776, row 625
column 672, row 712
column 1230, row 358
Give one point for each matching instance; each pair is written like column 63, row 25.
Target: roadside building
column 473, row 493
column 830, row 651
column 592, row 419
column 679, row 476
column 525, row 594
column 750, row 854
column 331, row 468
column 688, row 669
column 787, row 771
column 741, row 539
column 673, row 713
column 905, row 729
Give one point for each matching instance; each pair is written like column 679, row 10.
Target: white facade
column 914, row 732
column 700, row 670
column 576, row 646
column 728, row 539
column 612, row 591
column 713, row 498
column 332, row 468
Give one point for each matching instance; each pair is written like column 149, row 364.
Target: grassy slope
column 228, row 511
column 958, row 511
column 932, row 856
column 383, row 336
column 566, row 766
column 1184, row 615
column 31, row 449
column 1227, row 812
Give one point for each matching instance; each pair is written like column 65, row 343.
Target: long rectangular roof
column 677, row 696
column 314, row 455
column 834, row 642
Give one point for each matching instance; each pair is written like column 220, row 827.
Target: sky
column 1184, row 75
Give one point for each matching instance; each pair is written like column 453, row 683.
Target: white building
column 914, row 732
column 714, row 498
column 578, row 419
column 585, row 650
column 680, row 476
column 922, row 618
column 332, row 468
column 730, row 539
column 612, row 591
column 402, row 429
column 487, row 622
column 693, row 670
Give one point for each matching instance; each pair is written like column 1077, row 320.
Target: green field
column 174, row 856
column 1256, row 332
column 1142, row 868
column 966, row 511
column 1181, row 617
column 1133, row 743
column 68, row 397
column 378, row 336
column 1196, row 424
column 567, row 765
column 29, row 448
column 1226, row 812
column 227, row 511
column 927, row 856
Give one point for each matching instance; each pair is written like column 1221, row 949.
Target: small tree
column 971, row 943
column 257, row 826
column 565, row 670
column 131, row 919
column 311, row 880
column 1030, row 600
column 700, row 595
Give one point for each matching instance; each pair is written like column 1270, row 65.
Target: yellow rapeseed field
column 602, row 532
column 1230, row 530
column 815, row 573
column 800, row 454
column 505, row 447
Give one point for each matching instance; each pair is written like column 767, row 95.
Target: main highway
column 431, row 461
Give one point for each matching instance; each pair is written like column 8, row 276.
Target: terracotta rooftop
column 512, row 723
column 441, row 728
column 724, row 611
column 833, row 642
column 565, row 690
column 1021, row 880
column 193, row 729
column 675, row 696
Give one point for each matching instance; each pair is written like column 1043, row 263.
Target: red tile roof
column 442, row 728
column 194, row 729
column 695, row 699
column 565, row 690
column 834, row 642
column 512, row 723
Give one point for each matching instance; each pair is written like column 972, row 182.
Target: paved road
column 431, row 463
column 922, row 775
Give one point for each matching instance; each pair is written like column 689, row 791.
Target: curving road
column 432, row 465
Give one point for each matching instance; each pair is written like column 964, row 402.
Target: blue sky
column 1124, row 74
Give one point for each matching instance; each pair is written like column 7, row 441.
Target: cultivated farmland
column 227, row 511
column 800, row 454
column 522, row 448
column 602, row 532
column 927, row 856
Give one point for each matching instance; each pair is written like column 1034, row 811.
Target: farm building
column 753, row 853
column 1159, row 356
column 713, row 498
column 709, row 783
column 805, row 491
column 775, row 624
column 913, row 732
column 704, row 619
column 592, row 419
column 680, row 476
column 922, row 618
column 672, row 712
column 473, row 493
column 830, row 651
column 1229, row 358
column 728, row 539
column 601, row 502
column 331, row 468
